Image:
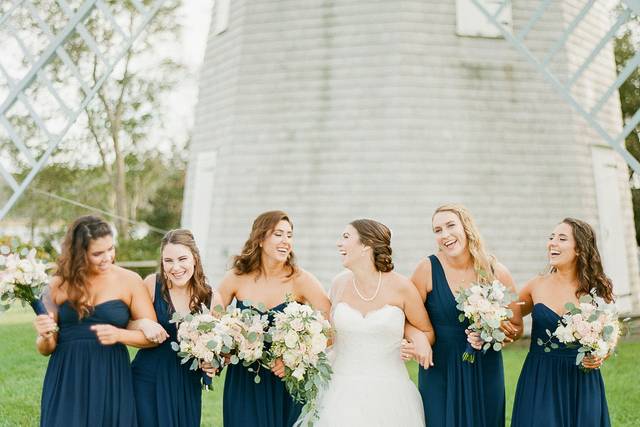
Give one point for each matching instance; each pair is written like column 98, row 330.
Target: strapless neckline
column 370, row 312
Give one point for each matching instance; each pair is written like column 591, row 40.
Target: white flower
column 291, row 339
column 298, row 373
column 318, row 343
column 297, row 324
column 564, row 334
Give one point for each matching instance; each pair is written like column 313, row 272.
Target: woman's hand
column 407, row 350
column 592, row 362
column 278, row 368
column 420, row 351
column 474, row 339
column 208, row 369
column 510, row 330
column 107, row 334
column 152, row 331
column 45, row 325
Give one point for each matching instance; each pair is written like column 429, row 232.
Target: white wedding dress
column 370, row 385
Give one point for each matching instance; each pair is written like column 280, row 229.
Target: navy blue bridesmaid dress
column 247, row 404
column 87, row 383
column 167, row 393
column 552, row 391
column 456, row 393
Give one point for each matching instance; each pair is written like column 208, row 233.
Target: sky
column 180, row 104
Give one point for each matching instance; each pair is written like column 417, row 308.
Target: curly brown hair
column 199, row 290
column 250, row 259
column 378, row 237
column 589, row 269
column 73, row 264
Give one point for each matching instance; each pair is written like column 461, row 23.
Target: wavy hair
column 199, row 290
column 73, row 263
column 589, row 270
column 250, row 259
column 378, row 237
column 483, row 262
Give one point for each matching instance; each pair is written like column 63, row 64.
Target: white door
column 199, row 219
column 611, row 239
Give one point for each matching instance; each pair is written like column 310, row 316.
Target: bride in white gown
column 370, row 385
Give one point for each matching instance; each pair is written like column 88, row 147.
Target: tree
column 128, row 103
column 624, row 49
column 118, row 124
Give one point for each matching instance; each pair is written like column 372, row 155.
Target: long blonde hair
column 483, row 263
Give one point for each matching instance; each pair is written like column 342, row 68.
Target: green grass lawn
column 22, row 370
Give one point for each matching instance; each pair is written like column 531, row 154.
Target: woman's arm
column 312, row 292
column 512, row 328
column 141, row 308
column 151, row 330
column 47, row 339
column 525, row 297
column 415, row 311
column 227, row 289
column 418, row 327
column 421, row 278
column 46, row 325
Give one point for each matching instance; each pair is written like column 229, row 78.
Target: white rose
column 318, row 344
column 297, row 324
column 290, row 359
column 291, row 339
column 298, row 373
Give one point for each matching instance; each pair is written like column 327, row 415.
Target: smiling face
column 100, row 254
column 178, row 263
column 449, row 233
column 350, row 247
column 278, row 243
column 561, row 247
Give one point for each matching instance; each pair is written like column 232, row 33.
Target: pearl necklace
column 353, row 280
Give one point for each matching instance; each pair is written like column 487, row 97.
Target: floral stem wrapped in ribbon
column 299, row 336
column 485, row 306
column 23, row 279
column 592, row 326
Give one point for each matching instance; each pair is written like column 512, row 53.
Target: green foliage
column 155, row 190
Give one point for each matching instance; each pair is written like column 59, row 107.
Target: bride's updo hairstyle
column 378, row 237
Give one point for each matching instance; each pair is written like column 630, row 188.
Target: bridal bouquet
column 299, row 337
column 23, row 279
column 486, row 306
column 592, row 326
column 235, row 336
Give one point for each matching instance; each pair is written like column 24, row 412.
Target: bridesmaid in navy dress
column 265, row 273
column 88, row 378
column 167, row 392
column 552, row 391
column 457, row 393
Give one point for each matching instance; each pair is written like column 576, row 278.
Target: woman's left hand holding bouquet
column 47, row 329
